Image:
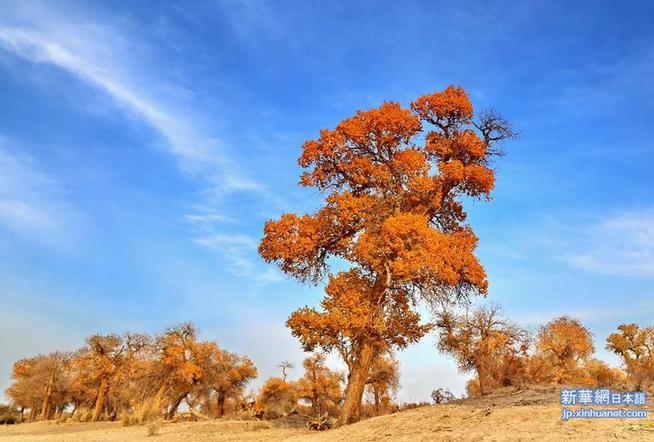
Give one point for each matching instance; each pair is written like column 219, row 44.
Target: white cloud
column 622, row 245
column 114, row 62
column 29, row 204
column 208, row 218
column 227, row 242
column 198, row 152
column 240, row 250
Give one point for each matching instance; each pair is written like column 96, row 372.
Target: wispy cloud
column 228, row 242
column 198, row 152
column 208, row 218
column 29, row 200
column 535, row 319
column 108, row 58
column 622, row 245
column 241, row 252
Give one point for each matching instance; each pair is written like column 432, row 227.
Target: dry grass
column 532, row 414
column 144, row 412
column 154, row 427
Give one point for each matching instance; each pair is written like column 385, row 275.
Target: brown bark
column 175, row 405
column 221, row 403
column 32, row 413
column 356, row 384
column 482, row 375
column 99, row 402
column 315, row 404
column 45, row 406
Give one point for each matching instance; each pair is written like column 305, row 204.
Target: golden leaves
column 416, row 252
column 393, row 179
column 566, row 339
column 449, row 108
column 373, row 172
column 356, row 154
column 353, row 310
column 292, row 242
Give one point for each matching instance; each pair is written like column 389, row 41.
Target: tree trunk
column 376, row 394
column 314, row 404
column 22, row 411
column 45, row 406
column 482, row 375
column 221, row 403
column 32, row 413
column 175, row 406
column 99, row 402
column 355, row 385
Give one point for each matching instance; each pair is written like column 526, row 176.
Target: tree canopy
column 393, row 180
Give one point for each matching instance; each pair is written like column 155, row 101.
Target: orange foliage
column 383, row 382
column 189, row 367
column 320, row 386
column 393, row 180
column 99, row 367
column 277, row 397
column 635, row 346
column 483, row 341
column 598, row 373
column 564, row 343
column 115, row 374
column 41, row 384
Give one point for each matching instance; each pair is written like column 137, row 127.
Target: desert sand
column 511, row 415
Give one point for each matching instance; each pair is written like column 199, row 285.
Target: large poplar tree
column 394, row 180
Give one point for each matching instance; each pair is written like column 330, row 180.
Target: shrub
column 442, row 396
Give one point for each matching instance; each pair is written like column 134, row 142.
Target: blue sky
column 144, row 144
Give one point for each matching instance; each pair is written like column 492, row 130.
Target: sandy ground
column 515, row 416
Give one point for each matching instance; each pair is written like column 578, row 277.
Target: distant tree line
column 138, row 378
column 132, row 376
column 500, row 353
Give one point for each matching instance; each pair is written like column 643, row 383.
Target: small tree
column 565, row 344
column 285, row 366
column 186, row 366
column 480, row 340
column 442, row 396
column 599, row 374
column 40, row 384
column 100, row 365
column 319, row 385
column 635, row 346
column 227, row 375
column 383, row 380
column 277, row 397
